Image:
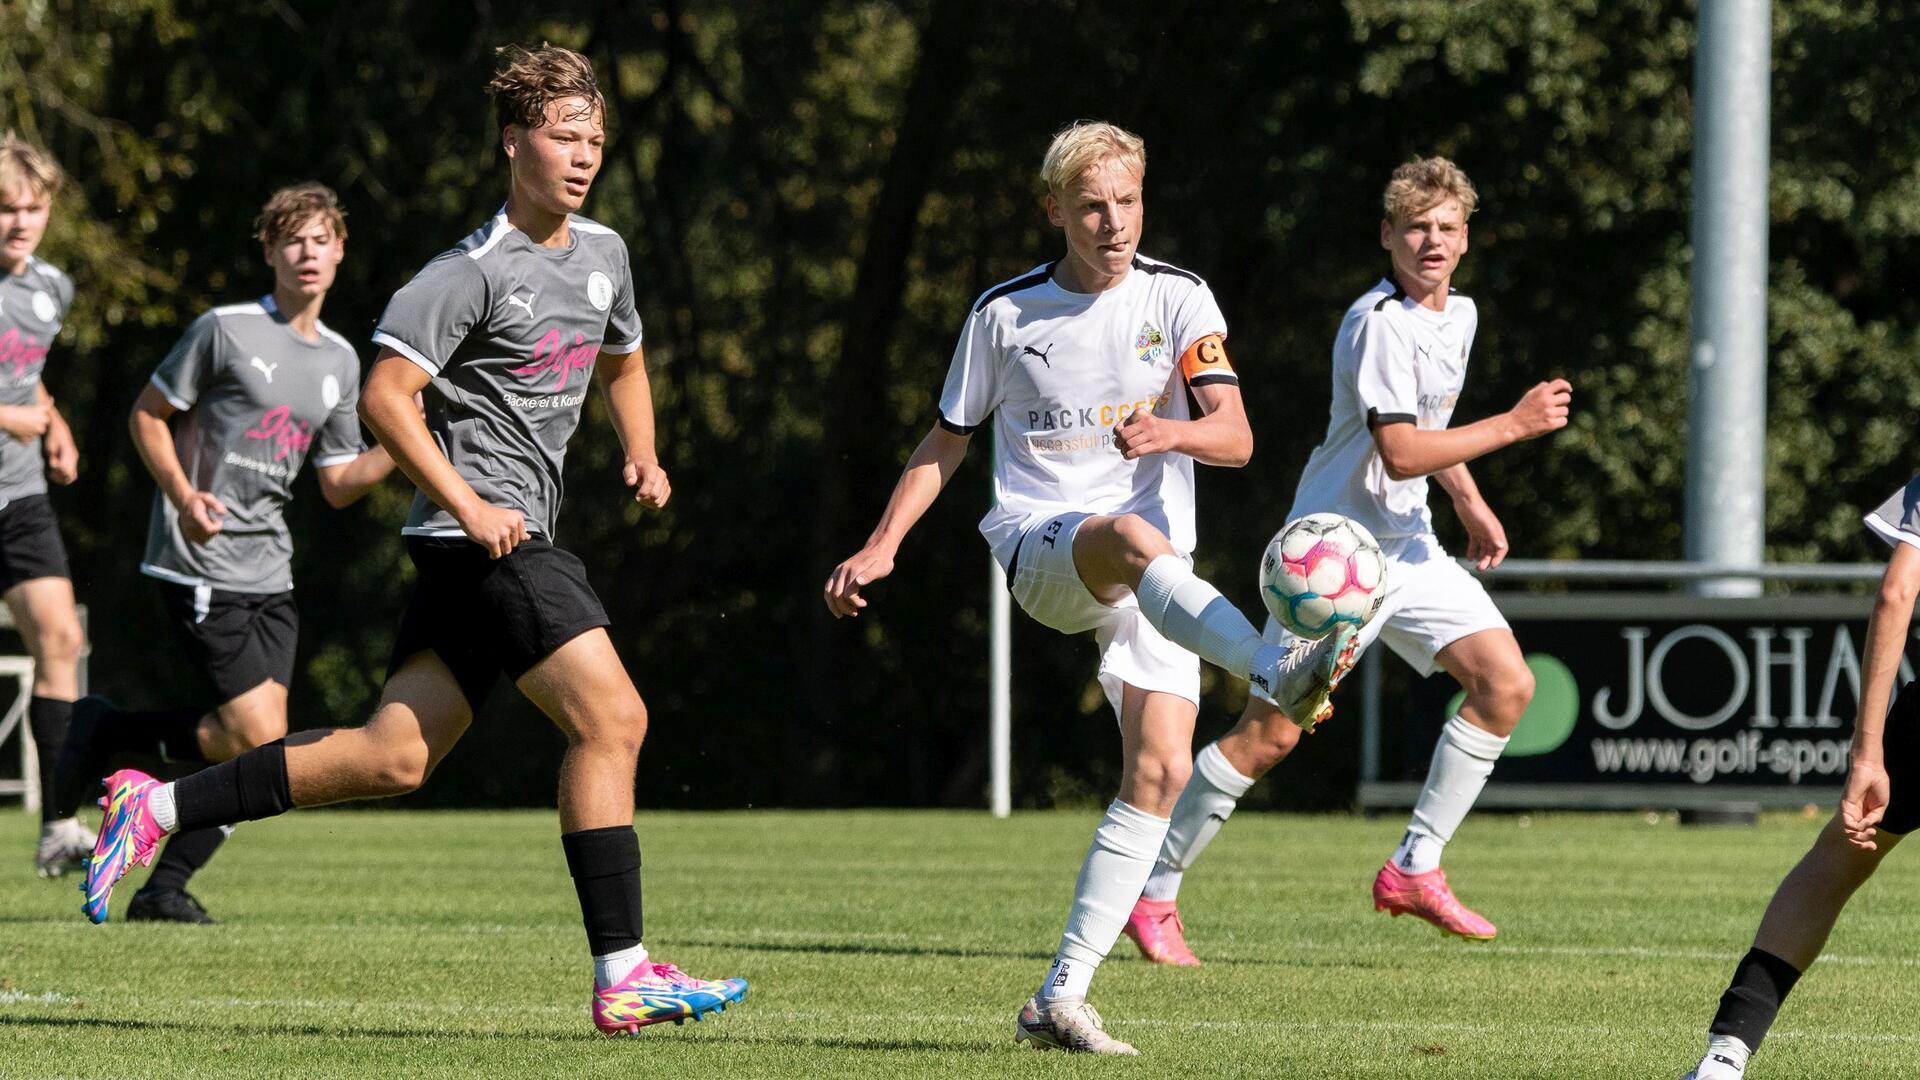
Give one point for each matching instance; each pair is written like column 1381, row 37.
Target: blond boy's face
column 23, row 221
column 1427, row 246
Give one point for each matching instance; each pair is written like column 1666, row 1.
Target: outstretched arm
column 928, row 471
column 1864, row 802
column 388, row 407
column 1409, row 451
column 630, row 403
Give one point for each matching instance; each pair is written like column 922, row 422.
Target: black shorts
column 486, row 617
column 1902, row 744
column 239, row 640
column 30, row 544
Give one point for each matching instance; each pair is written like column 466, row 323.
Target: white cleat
column 1072, row 1026
column 1310, row 673
column 65, row 845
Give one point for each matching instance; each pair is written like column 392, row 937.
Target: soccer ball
column 1321, row 572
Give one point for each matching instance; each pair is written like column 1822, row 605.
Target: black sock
column 605, row 864
column 248, row 788
column 185, row 853
column 1760, row 983
column 47, row 719
column 172, row 734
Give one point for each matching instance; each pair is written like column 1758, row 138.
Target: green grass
column 901, row 944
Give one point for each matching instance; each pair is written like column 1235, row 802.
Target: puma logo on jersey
column 1028, row 350
column 526, row 304
column 264, row 367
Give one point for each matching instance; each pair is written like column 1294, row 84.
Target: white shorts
column 1431, row 603
column 1047, row 586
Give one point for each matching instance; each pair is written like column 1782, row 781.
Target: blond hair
column 23, row 164
column 530, row 80
column 1424, row 183
column 1085, row 143
column 289, row 209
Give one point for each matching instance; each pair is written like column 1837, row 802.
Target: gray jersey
column 1897, row 521
column 33, row 303
column 257, row 399
column 509, row 331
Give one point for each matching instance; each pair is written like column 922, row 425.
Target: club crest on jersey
column 1150, row 345
column 599, row 291
column 330, row 391
column 44, row 308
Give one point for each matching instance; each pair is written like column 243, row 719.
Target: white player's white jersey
column 1056, row 371
column 1394, row 362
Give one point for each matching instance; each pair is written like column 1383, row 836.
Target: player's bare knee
column 59, row 643
column 402, row 769
column 250, row 729
column 618, row 730
column 1141, row 541
column 1158, row 779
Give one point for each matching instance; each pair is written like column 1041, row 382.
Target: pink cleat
column 659, row 992
column 1155, row 926
column 1427, row 896
column 128, row 835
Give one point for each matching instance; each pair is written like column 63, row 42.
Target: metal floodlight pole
column 1000, row 723
column 1727, row 376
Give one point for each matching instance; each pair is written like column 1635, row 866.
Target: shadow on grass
column 846, row 948
column 878, row 1044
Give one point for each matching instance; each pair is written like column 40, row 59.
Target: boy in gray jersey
column 1879, row 806
column 252, row 392
column 35, row 445
column 507, row 329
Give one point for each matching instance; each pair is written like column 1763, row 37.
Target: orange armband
column 1205, row 361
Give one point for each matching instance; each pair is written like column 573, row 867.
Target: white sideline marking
column 50, row 997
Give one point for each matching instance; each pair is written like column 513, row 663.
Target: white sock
column 1193, row 615
column 1726, row 1059
column 160, row 805
column 1206, row 805
column 1462, row 761
column 613, row 968
column 1116, row 868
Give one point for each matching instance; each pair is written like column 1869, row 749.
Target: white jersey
column 1056, row 371
column 1394, row 362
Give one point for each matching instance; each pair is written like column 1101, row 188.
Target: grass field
column 901, row 944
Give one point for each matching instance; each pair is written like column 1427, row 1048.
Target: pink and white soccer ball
column 1323, row 571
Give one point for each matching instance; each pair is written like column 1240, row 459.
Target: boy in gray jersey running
column 35, row 445
column 508, row 329
column 252, row 392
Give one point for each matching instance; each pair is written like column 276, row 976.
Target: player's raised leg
column 1499, row 687
column 585, row 690
column 1120, row 554
column 422, row 714
column 1156, row 732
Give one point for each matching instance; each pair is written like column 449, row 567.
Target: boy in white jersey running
column 249, row 394
column 507, row 329
column 1084, row 366
column 1399, row 362
column 35, row 447
column 1879, row 806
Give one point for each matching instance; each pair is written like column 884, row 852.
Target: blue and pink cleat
column 128, row 835
column 655, row 993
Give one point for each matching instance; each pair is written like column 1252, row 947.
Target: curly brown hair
column 290, row 208
column 530, row 80
column 1424, row 183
